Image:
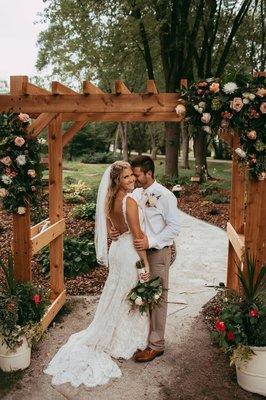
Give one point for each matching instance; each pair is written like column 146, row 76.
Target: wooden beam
column 90, row 88
column 237, row 240
column 183, row 83
column 34, row 230
column 120, row 88
column 226, row 136
column 30, row 88
column 40, row 123
column 59, row 88
column 53, row 310
column 41, row 240
column 126, row 117
column 18, row 84
column 95, row 103
column 151, row 87
column 71, row 132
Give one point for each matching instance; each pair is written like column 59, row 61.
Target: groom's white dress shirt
column 161, row 220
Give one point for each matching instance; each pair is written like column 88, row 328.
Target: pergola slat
column 31, row 89
column 90, row 88
column 59, row 88
column 151, row 87
column 120, row 88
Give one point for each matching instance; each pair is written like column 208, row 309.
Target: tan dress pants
column 159, row 261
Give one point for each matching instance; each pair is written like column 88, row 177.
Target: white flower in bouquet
column 6, row 179
column 230, row 87
column 199, row 109
column 180, row 110
column 241, row 153
column 138, row 301
column 21, row 160
column 248, row 96
column 206, row 117
column 21, row 210
column 157, row 296
column 3, row 192
column 202, row 104
column 206, row 129
column 245, row 101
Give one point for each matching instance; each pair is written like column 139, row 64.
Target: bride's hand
column 146, row 276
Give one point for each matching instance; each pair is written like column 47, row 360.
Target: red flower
column 36, row 298
column 220, row 326
column 253, row 313
column 230, row 336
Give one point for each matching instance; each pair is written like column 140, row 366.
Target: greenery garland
column 238, row 107
column 20, row 168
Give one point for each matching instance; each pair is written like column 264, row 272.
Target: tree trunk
column 154, row 147
column 117, row 133
column 123, row 131
column 172, row 136
column 200, row 151
column 185, row 145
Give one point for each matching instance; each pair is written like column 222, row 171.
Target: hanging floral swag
column 239, row 108
column 20, row 168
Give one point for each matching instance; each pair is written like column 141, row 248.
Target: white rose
column 152, row 201
column 21, row 210
column 251, row 96
column 6, row 179
column 241, row 153
column 245, row 101
column 206, row 129
column 180, row 110
column 138, row 301
column 21, row 160
column 156, row 297
column 206, row 117
column 202, row 104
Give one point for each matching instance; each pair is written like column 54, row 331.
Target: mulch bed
column 191, row 201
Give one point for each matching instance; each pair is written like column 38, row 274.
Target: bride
column 114, row 332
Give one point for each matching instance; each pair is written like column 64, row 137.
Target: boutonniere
column 152, row 200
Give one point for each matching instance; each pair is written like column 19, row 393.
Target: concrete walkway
column 201, row 261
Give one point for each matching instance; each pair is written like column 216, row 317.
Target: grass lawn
column 91, row 173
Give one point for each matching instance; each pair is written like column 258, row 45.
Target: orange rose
column 214, row 87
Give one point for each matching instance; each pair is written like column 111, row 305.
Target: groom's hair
column 144, row 162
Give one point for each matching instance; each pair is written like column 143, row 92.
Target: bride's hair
column 115, row 174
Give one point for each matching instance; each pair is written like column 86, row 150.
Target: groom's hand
column 141, row 244
column 114, row 234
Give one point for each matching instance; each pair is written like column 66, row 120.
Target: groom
column 161, row 227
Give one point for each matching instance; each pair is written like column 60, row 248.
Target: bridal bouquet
column 146, row 294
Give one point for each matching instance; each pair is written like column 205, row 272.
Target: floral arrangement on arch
column 240, row 108
column 20, row 168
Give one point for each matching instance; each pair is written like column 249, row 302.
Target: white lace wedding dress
column 115, row 330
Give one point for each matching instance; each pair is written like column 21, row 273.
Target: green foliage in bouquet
column 146, row 295
column 22, row 306
column 20, row 168
column 241, row 322
column 79, row 256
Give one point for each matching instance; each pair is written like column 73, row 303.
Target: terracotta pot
column 13, row 360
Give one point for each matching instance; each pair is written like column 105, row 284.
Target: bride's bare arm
column 132, row 214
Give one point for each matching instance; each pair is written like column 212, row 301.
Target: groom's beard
column 138, row 185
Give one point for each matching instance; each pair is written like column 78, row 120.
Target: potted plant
column 21, row 309
column 240, row 328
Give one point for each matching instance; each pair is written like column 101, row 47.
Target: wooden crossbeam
column 126, row 117
column 151, row 87
column 107, row 102
column 237, row 240
column 59, row 88
column 40, row 123
column 90, row 88
column 30, row 88
column 120, row 88
column 71, row 132
column 34, row 230
column 53, row 310
column 43, row 238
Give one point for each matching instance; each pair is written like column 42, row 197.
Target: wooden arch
column 246, row 230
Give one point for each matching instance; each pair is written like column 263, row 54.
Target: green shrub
column 209, row 188
column 217, row 198
column 79, row 256
column 91, row 196
column 68, row 180
column 85, row 211
column 100, row 158
column 74, row 198
column 180, row 180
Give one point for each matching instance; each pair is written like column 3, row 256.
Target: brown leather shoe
column 147, row 355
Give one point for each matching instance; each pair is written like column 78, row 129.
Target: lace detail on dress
column 114, row 332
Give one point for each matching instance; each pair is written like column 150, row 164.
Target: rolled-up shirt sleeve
column 172, row 227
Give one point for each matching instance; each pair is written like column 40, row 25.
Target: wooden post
column 56, row 204
column 21, row 244
column 237, row 208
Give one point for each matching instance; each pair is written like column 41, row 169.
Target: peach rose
column 236, row 104
column 206, row 117
column 214, row 87
column 3, row 192
column 261, row 92
column 6, row 160
column 24, row 117
column 31, row 173
column 180, row 110
column 19, row 141
column 263, row 107
column 252, row 135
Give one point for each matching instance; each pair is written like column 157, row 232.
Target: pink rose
column 6, row 160
column 206, row 117
column 31, row 173
column 19, row 141
column 236, row 104
column 261, row 92
column 24, row 117
column 180, row 110
column 263, row 107
column 202, row 84
column 3, row 192
column 227, row 114
column 214, row 87
column 252, row 135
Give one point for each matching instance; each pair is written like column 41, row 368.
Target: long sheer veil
column 100, row 237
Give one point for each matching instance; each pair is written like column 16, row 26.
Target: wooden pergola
column 246, row 230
